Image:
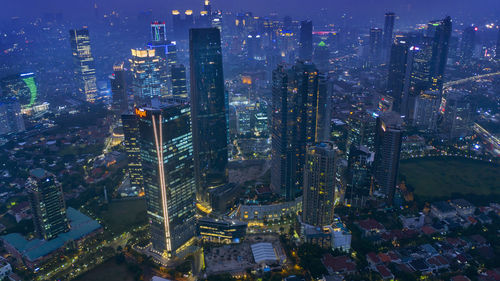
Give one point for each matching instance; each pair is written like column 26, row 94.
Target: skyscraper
column 84, row 63
column 306, row 40
column 398, row 65
column 209, row 107
column 441, row 31
column 426, row 111
column 169, row 184
column 166, row 52
column 387, row 152
column 47, row 204
column 375, row 45
column 319, row 184
column 388, row 29
column 468, row 43
column 11, row 120
column 21, row 87
column 178, row 74
column 119, row 103
column 132, row 147
column 158, row 31
column 145, row 67
column 295, row 124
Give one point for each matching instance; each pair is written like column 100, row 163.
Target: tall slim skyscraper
column 169, row 184
column 388, row 30
column 441, row 31
column 209, row 108
column 306, row 40
column 118, row 80
column 158, row 31
column 131, row 142
column 47, row 204
column 468, row 43
column 426, row 111
column 398, row 65
column 84, row 63
column 319, row 184
column 145, row 67
column 178, row 74
column 375, row 45
column 387, row 152
column 295, row 124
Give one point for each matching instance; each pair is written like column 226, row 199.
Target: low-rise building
column 269, row 212
column 463, row 207
column 221, row 231
column 442, row 210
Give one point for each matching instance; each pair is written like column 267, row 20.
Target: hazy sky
column 410, row 9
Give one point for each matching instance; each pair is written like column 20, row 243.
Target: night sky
column 361, row 9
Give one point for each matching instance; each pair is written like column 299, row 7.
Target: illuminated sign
column 140, row 112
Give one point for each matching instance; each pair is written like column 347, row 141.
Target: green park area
column 441, row 177
column 109, row 271
column 121, row 216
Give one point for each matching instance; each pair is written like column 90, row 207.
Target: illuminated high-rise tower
column 47, row 204
column 84, row 63
column 387, row 152
column 169, row 182
column 131, row 142
column 295, row 124
column 179, row 89
column 209, row 107
column 146, row 71
column 158, row 31
column 440, row 32
column 398, row 65
column 319, row 184
column 11, row 120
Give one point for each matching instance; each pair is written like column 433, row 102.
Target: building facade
column 169, row 184
column 84, row 64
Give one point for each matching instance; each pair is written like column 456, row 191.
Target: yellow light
column 203, row 13
column 188, row 12
column 175, row 12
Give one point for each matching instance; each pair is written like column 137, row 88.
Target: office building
column 21, row 87
column 84, row 64
column 360, row 130
column 11, row 120
column 118, row 80
column 398, row 72
column 321, row 57
column 166, row 52
column 468, row 43
column 426, row 111
column 131, row 142
column 319, row 184
column 306, row 40
column 387, row 153
column 387, row 38
column 375, row 46
column 457, row 119
column 146, row 72
column 47, row 204
column 179, row 87
column 209, row 110
column 220, row 230
column 440, row 32
column 295, row 96
column 169, row 184
column 359, row 175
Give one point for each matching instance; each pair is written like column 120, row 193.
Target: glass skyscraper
column 295, row 123
column 84, row 63
column 47, row 204
column 208, row 106
column 169, row 183
column 119, row 103
column 131, row 142
column 146, row 84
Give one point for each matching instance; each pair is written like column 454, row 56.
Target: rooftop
column 81, row 225
column 263, row 252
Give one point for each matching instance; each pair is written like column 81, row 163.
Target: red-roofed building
column 428, row 230
column 370, row 227
column 341, row 264
column 384, row 272
column 373, row 259
column 460, row 278
column 384, row 257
